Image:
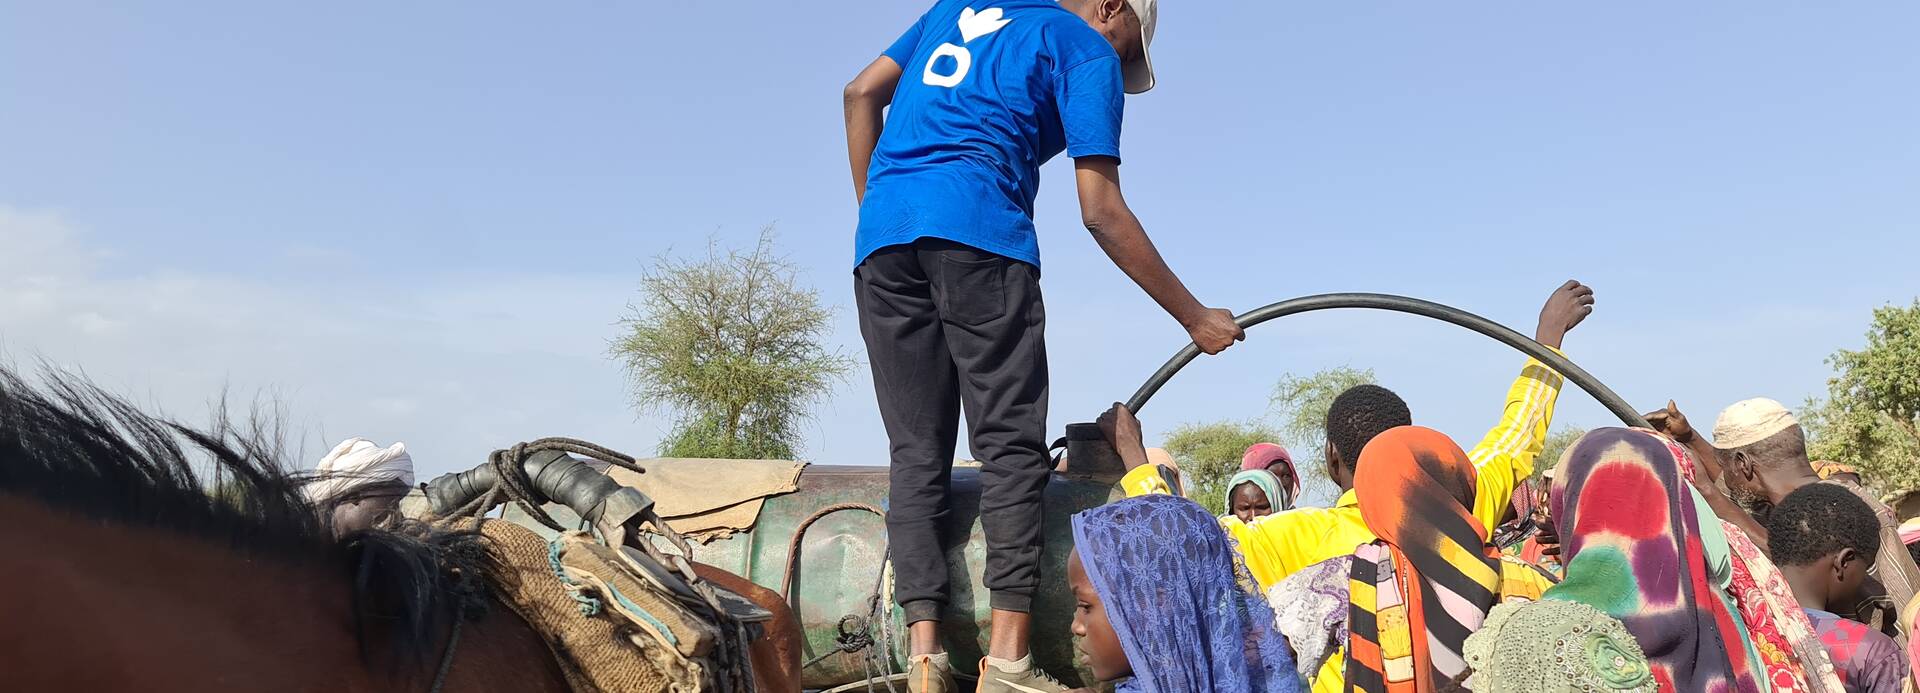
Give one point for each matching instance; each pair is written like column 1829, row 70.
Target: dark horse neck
column 103, row 606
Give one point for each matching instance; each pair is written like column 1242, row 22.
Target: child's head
column 1828, row 534
column 1093, row 632
column 1160, row 594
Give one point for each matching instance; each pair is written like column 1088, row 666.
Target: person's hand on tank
column 1122, row 430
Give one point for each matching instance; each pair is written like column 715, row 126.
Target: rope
column 588, row 605
column 511, row 479
column 800, row 532
column 855, row 633
column 849, row 639
column 512, row 485
column 446, row 660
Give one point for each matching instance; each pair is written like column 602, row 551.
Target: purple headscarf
column 1185, row 609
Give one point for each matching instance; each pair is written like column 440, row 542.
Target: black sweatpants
column 949, row 327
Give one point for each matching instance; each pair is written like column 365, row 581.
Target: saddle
column 617, row 619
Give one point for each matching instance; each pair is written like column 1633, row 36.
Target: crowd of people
column 1650, row 559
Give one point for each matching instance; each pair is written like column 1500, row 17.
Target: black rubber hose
column 555, row 475
column 1575, row 374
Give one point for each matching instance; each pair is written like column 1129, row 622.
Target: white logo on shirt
column 972, row 25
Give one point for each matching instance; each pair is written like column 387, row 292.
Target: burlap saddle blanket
column 619, row 622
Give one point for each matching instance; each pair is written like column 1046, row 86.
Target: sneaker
column 930, row 674
column 1024, row 678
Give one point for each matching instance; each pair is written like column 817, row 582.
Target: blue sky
column 421, row 221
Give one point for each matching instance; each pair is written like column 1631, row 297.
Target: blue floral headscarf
column 1188, row 614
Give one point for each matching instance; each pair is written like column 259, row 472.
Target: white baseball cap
column 1139, row 74
column 1751, row 421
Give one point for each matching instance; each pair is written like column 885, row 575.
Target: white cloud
column 458, row 365
column 455, row 366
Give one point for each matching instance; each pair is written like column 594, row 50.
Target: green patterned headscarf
column 1555, row 646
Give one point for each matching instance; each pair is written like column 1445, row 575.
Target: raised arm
column 866, row 100
column 1507, row 453
column 1118, row 231
column 1705, row 479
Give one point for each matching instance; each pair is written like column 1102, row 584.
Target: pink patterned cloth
column 1795, row 659
column 1788, row 645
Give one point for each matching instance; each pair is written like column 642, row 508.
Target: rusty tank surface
column 840, row 570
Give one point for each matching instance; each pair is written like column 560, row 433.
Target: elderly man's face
column 367, row 510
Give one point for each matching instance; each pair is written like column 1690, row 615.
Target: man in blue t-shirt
column 947, row 268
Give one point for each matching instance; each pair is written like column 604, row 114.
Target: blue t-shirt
column 990, row 90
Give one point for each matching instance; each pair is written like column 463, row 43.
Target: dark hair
column 1818, row 520
column 70, row 445
column 1359, row 414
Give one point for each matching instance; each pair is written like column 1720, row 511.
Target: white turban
column 357, row 463
column 1750, row 421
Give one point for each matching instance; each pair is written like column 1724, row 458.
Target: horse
column 137, row 553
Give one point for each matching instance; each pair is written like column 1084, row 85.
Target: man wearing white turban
column 360, row 483
column 1764, row 451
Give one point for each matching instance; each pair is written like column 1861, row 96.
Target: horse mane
column 74, row 447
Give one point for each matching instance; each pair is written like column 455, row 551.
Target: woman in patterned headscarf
column 1428, row 582
column 1278, row 462
column 1164, row 606
column 1631, row 537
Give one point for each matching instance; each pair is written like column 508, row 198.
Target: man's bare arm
column 866, row 100
column 1119, row 233
column 1673, row 423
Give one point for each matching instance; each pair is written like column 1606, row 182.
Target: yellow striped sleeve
column 1506, row 455
column 1146, row 480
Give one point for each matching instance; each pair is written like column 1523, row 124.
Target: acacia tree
column 1871, row 415
column 1301, row 403
column 732, row 343
column 1209, row 455
column 1556, row 445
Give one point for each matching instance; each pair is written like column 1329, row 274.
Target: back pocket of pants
column 973, row 291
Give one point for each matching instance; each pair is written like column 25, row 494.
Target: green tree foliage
column 1871, row 415
column 1301, row 404
column 1209, row 455
column 731, row 343
column 1557, row 443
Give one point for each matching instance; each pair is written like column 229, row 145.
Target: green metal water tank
column 840, row 566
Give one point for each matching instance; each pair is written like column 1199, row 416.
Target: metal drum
column 840, row 568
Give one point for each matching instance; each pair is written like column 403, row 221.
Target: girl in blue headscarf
column 1164, row 606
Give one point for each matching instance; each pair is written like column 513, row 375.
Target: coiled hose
column 1402, row 304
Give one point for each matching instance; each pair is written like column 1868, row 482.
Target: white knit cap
column 358, row 462
column 1751, row 421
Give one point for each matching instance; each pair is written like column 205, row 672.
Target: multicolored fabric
column 1267, row 456
column 1283, row 543
column 1429, row 581
column 1782, row 638
column 1265, row 480
column 1187, row 613
column 1868, row 661
column 1554, row 646
column 1310, row 608
column 1631, row 539
column 1827, row 468
column 1778, row 630
column 1523, row 524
